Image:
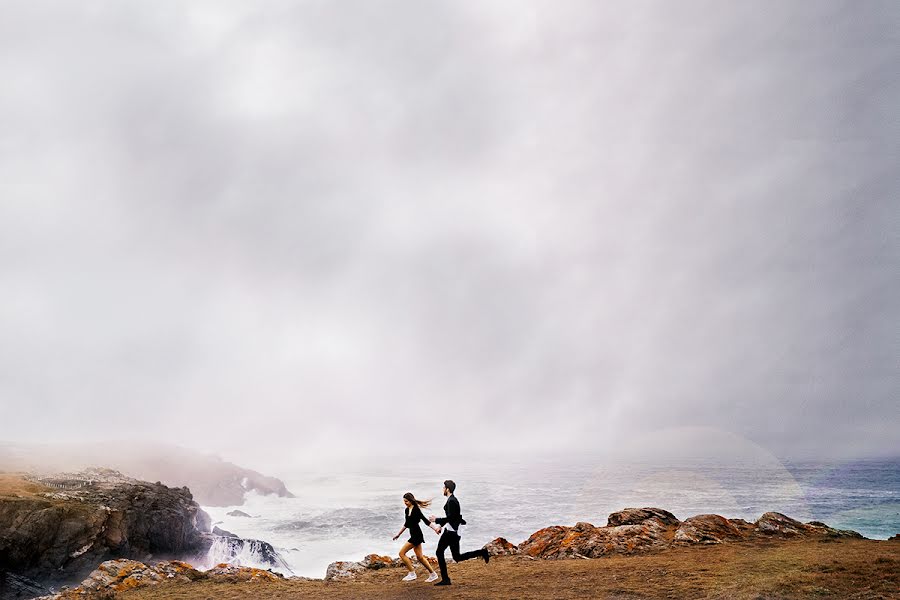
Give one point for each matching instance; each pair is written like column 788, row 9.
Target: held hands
column 432, row 518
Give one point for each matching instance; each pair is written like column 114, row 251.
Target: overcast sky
column 312, row 228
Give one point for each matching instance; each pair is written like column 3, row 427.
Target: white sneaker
column 411, row 576
column 432, row 577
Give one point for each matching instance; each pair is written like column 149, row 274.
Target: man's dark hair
column 450, row 485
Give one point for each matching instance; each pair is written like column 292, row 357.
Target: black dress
column 413, row 516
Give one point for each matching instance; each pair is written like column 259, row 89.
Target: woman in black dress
column 413, row 514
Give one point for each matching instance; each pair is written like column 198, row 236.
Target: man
column 450, row 537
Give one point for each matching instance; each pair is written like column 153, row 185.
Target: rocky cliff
column 212, row 481
column 57, row 530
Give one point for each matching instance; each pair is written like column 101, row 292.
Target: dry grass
column 845, row 569
column 14, row 485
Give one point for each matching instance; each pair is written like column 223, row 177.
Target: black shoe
column 486, row 556
column 443, row 582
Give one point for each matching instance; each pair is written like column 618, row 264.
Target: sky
column 312, row 229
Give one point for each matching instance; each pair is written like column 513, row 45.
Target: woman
column 413, row 515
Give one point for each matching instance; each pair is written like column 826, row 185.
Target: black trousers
column 449, row 539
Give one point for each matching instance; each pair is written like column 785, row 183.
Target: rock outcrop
column 639, row 516
column 635, row 530
column 777, row 524
column 213, row 481
column 710, row 529
column 121, row 575
column 344, row 569
column 67, row 532
column 16, row 587
column 501, row 547
column 59, row 534
column 226, row 547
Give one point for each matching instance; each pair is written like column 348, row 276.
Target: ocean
column 348, row 514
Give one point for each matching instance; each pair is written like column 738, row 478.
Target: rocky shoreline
column 632, row 531
column 628, row 531
column 56, row 530
column 53, row 532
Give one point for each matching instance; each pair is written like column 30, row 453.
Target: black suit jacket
column 454, row 515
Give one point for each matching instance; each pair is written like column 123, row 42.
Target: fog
column 302, row 230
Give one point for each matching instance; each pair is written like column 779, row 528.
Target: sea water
column 348, row 513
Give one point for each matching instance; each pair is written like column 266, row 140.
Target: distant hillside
column 212, row 481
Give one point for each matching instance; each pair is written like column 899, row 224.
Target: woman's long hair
column 419, row 503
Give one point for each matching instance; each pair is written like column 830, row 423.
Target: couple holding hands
column 450, row 524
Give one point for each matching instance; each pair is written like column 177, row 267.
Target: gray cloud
column 309, row 223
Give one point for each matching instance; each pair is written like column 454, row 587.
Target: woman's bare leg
column 406, row 548
column 425, row 562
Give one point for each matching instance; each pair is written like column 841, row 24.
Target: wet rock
column 223, row 533
column 232, row 549
column 238, row 513
column 115, row 576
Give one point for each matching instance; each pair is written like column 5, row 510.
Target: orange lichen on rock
column 226, row 572
column 376, row 561
column 115, row 576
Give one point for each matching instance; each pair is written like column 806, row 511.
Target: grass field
column 845, row 569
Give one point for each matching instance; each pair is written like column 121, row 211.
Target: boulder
column 237, row 513
column 501, row 547
column 637, row 516
column 777, row 524
column 650, row 531
column 343, row 570
column 774, row 523
column 707, row 529
column 375, row 561
column 234, row 573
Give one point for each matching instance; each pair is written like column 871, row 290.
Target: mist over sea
column 346, row 514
